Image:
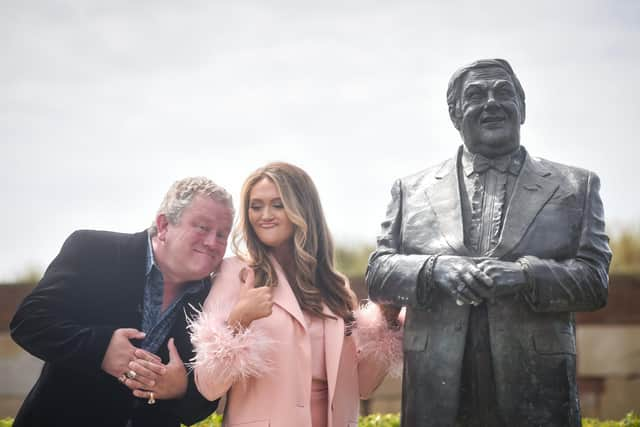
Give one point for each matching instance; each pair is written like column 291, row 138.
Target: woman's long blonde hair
column 316, row 281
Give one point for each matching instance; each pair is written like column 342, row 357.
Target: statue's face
column 491, row 115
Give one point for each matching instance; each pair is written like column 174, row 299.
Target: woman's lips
column 268, row 225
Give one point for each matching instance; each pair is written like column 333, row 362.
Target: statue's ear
column 523, row 112
column 454, row 115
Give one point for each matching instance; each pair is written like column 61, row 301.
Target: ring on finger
column 152, row 399
column 131, row 374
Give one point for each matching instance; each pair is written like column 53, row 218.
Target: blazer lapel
column 444, row 197
column 533, row 188
column 132, row 266
column 284, row 296
column 333, row 340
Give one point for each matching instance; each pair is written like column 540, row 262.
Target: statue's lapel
column 534, row 187
column 444, row 198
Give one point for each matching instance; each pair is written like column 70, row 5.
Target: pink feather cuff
column 375, row 340
column 226, row 354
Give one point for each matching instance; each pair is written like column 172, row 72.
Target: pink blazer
column 266, row 369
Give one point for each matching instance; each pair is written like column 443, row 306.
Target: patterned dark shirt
column 155, row 322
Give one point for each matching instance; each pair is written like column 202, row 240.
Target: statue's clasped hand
column 508, row 277
column 463, row 279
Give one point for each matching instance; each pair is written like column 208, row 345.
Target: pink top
column 319, row 388
column 315, row 326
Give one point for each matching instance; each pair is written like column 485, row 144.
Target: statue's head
column 486, row 104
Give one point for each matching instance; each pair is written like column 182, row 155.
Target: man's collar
column 150, row 261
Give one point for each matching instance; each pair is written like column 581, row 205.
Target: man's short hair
column 182, row 192
column 453, row 91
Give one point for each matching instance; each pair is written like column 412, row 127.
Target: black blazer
column 94, row 286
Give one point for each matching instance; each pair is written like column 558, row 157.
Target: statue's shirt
column 486, row 185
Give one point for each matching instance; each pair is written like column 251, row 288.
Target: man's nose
column 491, row 100
column 211, row 239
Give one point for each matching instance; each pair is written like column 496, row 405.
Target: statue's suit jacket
column 554, row 224
column 93, row 287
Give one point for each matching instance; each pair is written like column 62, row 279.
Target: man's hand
column 508, row 277
column 147, row 367
column 164, row 381
column 253, row 303
column 462, row 279
column 120, row 351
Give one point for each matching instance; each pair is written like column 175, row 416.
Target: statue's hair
column 453, row 90
column 316, row 281
column 181, row 194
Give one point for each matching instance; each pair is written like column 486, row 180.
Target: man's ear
column 162, row 224
column 523, row 112
column 454, row 116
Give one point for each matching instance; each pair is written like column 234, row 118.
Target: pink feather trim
column 226, row 354
column 375, row 340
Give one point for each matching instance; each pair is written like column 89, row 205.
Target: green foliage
column 393, row 420
column 380, row 420
column 29, row 276
column 630, row 420
column 625, row 246
column 352, row 261
column 213, row 420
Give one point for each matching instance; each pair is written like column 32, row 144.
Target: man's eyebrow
column 504, row 83
column 474, row 85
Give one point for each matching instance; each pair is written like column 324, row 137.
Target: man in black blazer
column 491, row 251
column 111, row 303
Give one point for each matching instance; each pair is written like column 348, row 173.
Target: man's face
column 194, row 247
column 491, row 115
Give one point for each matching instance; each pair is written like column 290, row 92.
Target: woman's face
column 267, row 215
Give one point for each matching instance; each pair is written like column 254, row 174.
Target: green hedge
column 393, row 420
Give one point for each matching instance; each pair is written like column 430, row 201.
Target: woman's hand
column 253, row 303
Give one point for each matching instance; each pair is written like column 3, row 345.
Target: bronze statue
column 491, row 252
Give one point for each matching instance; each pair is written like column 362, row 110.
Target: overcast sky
column 105, row 104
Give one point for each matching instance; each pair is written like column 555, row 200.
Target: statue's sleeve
column 579, row 283
column 393, row 276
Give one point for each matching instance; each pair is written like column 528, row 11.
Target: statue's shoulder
column 558, row 170
column 571, row 178
column 429, row 174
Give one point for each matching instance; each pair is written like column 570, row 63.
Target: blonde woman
column 279, row 332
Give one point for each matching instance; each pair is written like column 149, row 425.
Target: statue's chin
column 494, row 144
